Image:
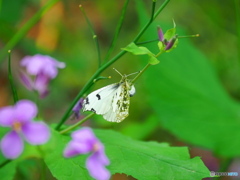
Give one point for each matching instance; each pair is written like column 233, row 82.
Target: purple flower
column 19, row 119
column 160, row 34
column 76, row 109
column 167, row 44
column 84, row 141
column 43, row 68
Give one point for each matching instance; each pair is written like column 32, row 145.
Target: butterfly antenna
column 133, row 73
column 118, row 72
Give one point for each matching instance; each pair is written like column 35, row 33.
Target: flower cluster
column 40, row 70
column 167, row 40
column 84, row 141
column 20, row 119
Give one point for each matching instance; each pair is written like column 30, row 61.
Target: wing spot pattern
column 98, row 96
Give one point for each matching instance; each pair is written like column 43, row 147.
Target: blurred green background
column 189, row 99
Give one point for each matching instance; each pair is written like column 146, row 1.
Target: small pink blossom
column 20, row 119
column 40, row 70
column 168, row 44
column 84, row 141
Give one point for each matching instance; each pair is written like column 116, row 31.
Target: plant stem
column 145, row 68
column 153, row 16
column 95, row 38
column 103, row 67
column 10, row 78
column 117, row 31
column 26, row 27
column 189, row 36
column 145, row 42
column 77, row 124
column 140, row 73
column 5, row 163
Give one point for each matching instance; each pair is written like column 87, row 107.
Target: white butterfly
column 111, row 101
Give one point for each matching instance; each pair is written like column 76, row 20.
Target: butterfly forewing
column 98, row 101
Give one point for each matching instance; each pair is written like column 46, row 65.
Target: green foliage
column 8, row 171
column 136, row 50
column 150, row 160
column 63, row 168
column 190, row 102
column 170, row 33
column 142, row 160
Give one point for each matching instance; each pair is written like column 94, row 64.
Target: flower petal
column 76, row 109
column 33, row 64
column 160, row 34
column 102, row 156
column 36, row 132
column 75, row 148
column 11, row 145
column 25, row 110
column 84, row 135
column 41, row 84
column 7, row 116
column 96, row 169
column 26, row 81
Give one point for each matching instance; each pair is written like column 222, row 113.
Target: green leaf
column 65, row 168
column 142, row 160
column 153, row 60
column 149, row 160
column 141, row 130
column 170, row 33
column 134, row 49
column 8, row 171
column 191, row 103
column 161, row 46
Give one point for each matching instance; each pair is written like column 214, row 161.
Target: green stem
column 153, row 16
column 117, row 31
column 101, row 69
column 77, row 124
column 95, row 38
column 145, row 68
column 5, row 163
column 141, row 72
column 189, row 36
column 26, row 27
column 146, row 42
column 10, row 77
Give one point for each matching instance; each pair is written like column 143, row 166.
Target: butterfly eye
column 132, row 91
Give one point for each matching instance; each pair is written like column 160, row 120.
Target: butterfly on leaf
column 111, row 101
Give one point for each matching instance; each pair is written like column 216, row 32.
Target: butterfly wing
column 120, row 104
column 100, row 101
